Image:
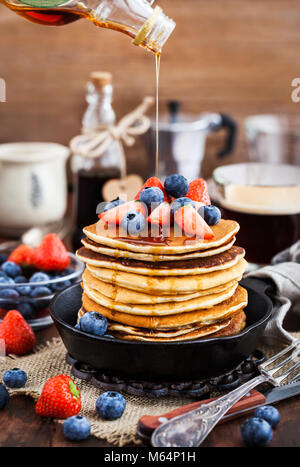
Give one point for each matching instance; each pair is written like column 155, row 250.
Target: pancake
column 208, row 316
column 123, row 295
column 196, row 266
column 104, row 234
column 116, row 253
column 159, row 309
column 169, row 285
column 234, row 326
column 116, row 327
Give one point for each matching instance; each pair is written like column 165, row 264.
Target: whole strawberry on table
column 30, row 276
column 177, row 202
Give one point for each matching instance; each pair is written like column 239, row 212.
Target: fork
column 190, row 429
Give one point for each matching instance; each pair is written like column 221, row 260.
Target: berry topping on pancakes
column 156, row 204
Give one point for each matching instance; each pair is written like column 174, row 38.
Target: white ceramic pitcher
column 33, row 185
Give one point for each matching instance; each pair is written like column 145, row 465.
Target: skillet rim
column 202, row 341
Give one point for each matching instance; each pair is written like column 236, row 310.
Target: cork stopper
column 101, row 78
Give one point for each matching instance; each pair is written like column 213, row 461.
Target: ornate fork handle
column 190, row 429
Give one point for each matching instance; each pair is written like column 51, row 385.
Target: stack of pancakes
column 166, row 288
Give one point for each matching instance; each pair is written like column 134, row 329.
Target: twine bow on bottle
column 94, row 143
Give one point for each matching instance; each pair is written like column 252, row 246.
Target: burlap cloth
column 49, row 360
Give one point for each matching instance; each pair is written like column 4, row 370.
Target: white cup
column 33, row 185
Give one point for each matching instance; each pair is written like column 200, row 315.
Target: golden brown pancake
column 105, row 234
column 197, row 266
column 202, row 317
column 117, row 253
column 169, row 285
column 123, row 295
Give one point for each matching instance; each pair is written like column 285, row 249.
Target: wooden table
column 20, row 426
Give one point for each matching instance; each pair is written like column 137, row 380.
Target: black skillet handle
column 261, row 285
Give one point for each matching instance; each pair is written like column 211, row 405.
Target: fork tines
column 278, row 368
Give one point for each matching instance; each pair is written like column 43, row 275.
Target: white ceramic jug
column 33, row 185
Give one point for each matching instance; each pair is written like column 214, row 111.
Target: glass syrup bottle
column 90, row 174
column 148, row 27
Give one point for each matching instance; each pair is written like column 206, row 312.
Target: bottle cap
column 101, row 78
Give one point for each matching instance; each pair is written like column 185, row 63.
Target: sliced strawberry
column 161, row 215
column 115, row 215
column 192, row 223
column 154, row 181
column 198, row 191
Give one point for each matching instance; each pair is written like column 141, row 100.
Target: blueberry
column 11, row 269
column 76, row 428
column 39, row 277
column 9, row 293
column 179, row 202
column 60, row 285
column 40, row 291
column 77, row 326
column 176, row 185
column 256, row 431
column 6, row 280
column 20, row 280
column 211, row 214
column 3, row 258
column 26, row 310
column 110, row 405
column 268, row 413
column 133, row 223
column 4, row 396
column 112, row 204
column 65, row 272
column 93, row 323
column 24, row 290
column 15, row 378
column 152, row 196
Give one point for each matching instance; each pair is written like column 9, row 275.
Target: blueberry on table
column 77, row 428
column 4, row 396
column 11, row 269
column 152, row 196
column 268, row 413
column 93, row 323
column 133, row 223
column 256, row 431
column 110, row 405
column 15, row 378
column 179, row 202
column 211, row 214
column 39, row 277
column 176, row 185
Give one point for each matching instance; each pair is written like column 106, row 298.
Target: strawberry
column 154, row 181
column 51, row 255
column 22, row 255
column 161, row 215
column 115, row 215
column 18, row 336
column 60, row 398
column 192, row 223
column 198, row 191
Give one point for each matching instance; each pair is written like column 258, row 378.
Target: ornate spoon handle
column 190, row 429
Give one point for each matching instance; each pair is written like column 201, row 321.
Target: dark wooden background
column 235, row 56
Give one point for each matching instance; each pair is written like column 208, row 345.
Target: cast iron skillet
column 171, row 361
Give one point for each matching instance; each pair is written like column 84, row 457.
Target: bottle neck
column 99, row 112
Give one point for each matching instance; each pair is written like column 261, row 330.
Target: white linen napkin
column 284, row 271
